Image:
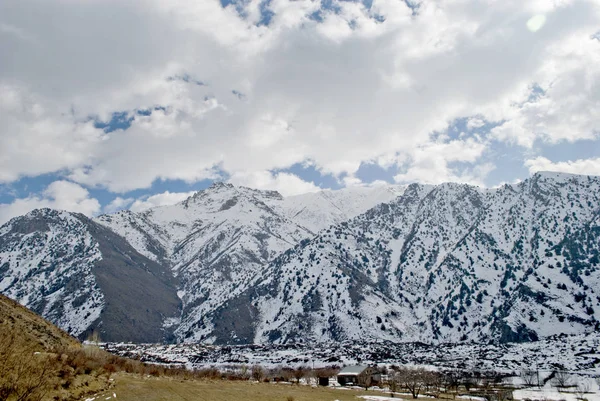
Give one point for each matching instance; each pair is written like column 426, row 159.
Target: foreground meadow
column 135, row 388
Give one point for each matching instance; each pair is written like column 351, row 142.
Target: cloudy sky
column 113, row 104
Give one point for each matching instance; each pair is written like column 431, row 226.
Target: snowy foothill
column 569, row 353
column 579, row 388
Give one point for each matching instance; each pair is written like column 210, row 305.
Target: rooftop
column 353, row 370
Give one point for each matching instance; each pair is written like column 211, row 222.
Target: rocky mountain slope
column 236, row 265
column 83, row 277
column 439, row 263
column 126, row 274
column 217, row 241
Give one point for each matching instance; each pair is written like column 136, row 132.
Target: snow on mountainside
column 46, row 261
column 320, row 210
column 444, row 263
column 83, row 277
column 217, row 241
column 235, row 265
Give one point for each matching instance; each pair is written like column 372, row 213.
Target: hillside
column 443, row 263
column 31, row 327
column 141, row 276
column 440, row 263
column 84, row 277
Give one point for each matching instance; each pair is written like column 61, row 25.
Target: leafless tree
column 562, row 379
column 367, row 382
column 286, row 374
column 300, row 373
column 393, row 384
column 470, row 379
column 258, row 373
column 451, row 380
column 244, row 374
column 529, row 377
column 435, row 382
column 413, row 379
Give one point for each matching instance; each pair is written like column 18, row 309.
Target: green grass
column 133, row 388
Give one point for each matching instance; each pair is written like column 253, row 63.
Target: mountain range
column 428, row 263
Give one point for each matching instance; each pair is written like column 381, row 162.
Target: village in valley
column 554, row 369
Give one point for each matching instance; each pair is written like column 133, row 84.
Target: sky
column 128, row 104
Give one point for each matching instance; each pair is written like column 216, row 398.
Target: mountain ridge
column 448, row 262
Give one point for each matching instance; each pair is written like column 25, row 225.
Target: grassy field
column 133, row 388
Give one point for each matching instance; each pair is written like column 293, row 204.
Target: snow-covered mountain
column 319, row 210
column 218, row 241
column 236, row 265
column 83, row 277
column 203, row 251
column 439, row 263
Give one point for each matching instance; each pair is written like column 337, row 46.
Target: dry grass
column 38, row 361
column 135, row 388
column 31, row 327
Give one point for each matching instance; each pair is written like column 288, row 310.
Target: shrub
column 25, row 373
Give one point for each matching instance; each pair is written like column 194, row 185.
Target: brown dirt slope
column 14, row 318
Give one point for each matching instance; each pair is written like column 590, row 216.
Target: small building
column 323, row 381
column 358, row 376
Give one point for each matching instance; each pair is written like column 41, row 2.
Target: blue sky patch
column 311, row 174
column 119, row 120
column 370, row 172
column 508, row 160
column 123, row 119
column 569, row 151
column 26, row 186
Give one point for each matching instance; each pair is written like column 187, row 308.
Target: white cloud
column 353, row 181
column 536, row 22
column 567, row 106
column 163, row 199
column 338, row 93
column 432, row 163
column 63, row 195
column 475, row 123
column 285, row 183
column 117, row 204
column 581, row 166
column 35, row 138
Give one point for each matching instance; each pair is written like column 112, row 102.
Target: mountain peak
column 556, row 175
column 220, row 184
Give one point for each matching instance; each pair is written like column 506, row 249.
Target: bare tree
column 258, row 373
column 412, row 379
column 393, row 383
column 244, row 374
column 529, row 377
column 286, row 374
column 367, row 382
column 562, row 379
column 299, row 373
column 451, row 380
column 470, row 379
